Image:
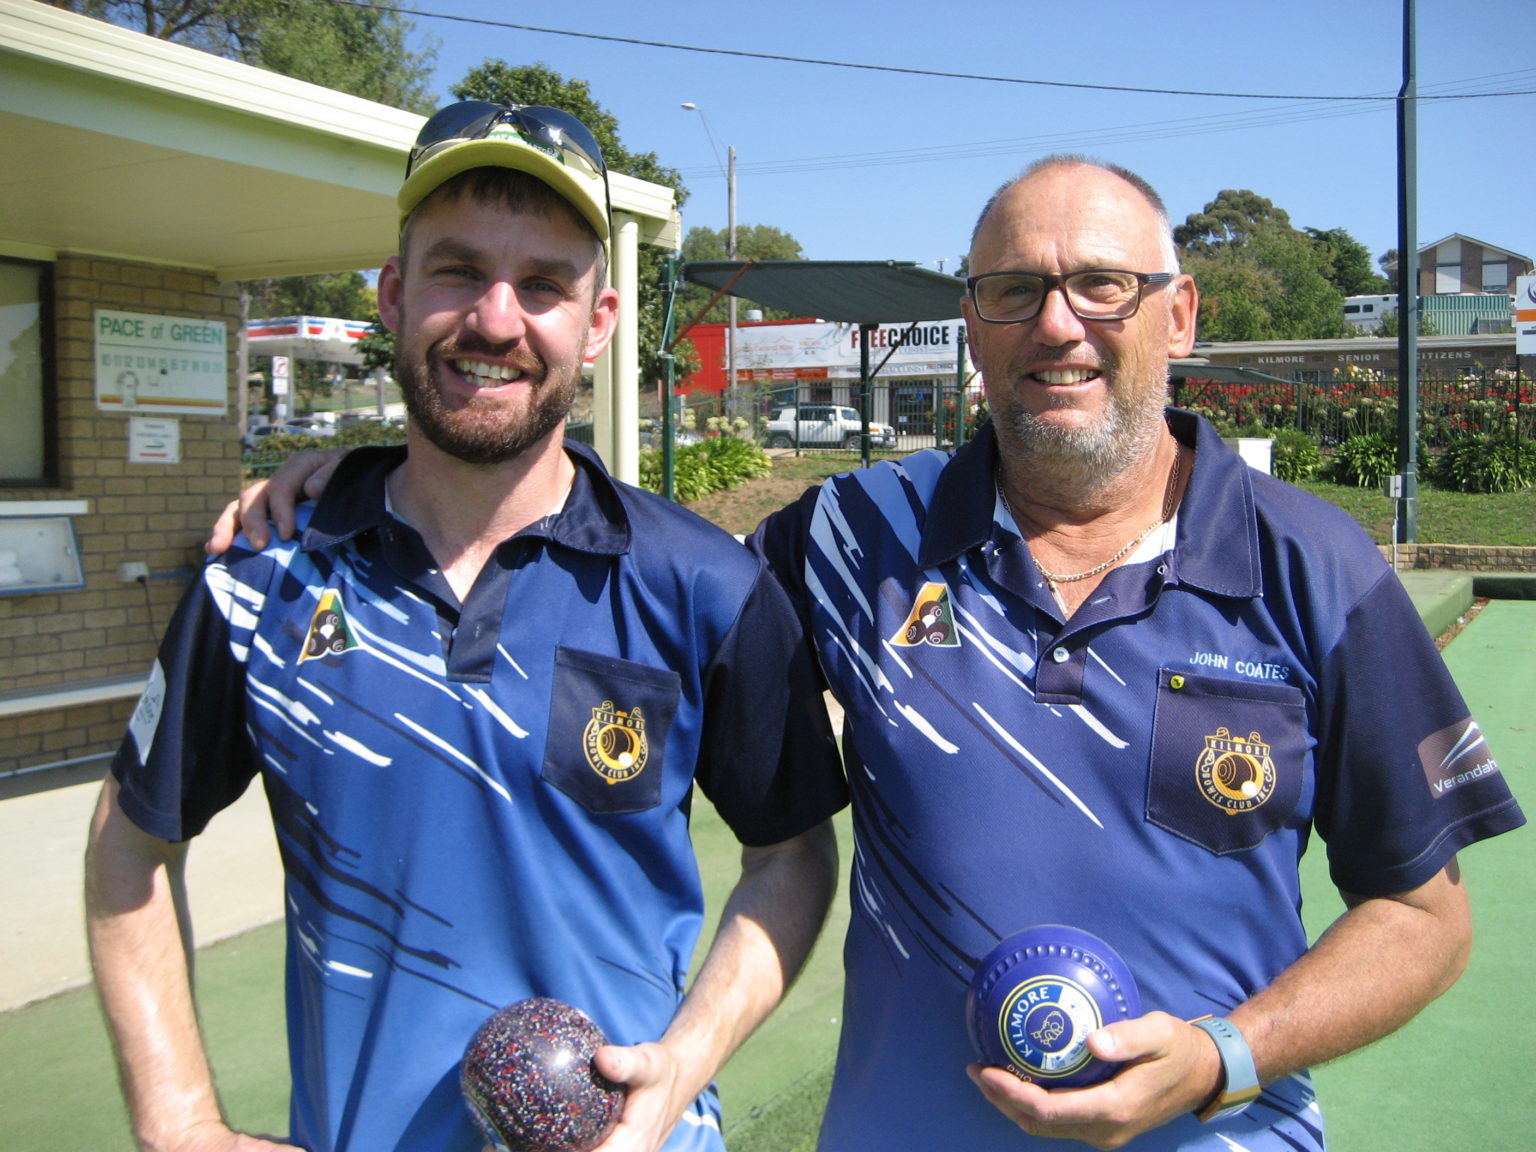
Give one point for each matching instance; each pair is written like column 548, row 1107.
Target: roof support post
column 615, row 415
column 865, row 384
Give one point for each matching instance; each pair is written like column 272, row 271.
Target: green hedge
column 713, row 465
column 1485, row 464
column 1296, row 456
column 1365, row 460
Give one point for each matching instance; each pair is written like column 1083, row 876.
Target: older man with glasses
column 479, row 690
column 1160, row 672
column 1098, row 673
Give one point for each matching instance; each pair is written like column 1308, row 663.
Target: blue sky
column 863, row 164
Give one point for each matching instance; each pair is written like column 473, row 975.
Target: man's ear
column 1183, row 313
column 391, row 293
column 604, row 322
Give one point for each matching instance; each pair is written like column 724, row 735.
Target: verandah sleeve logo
column 1455, row 756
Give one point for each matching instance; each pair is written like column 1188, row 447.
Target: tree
column 753, row 242
column 1352, row 270
column 344, row 294
column 1229, row 221
column 499, row 81
column 1260, row 278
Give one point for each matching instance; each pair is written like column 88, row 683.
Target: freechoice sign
column 923, row 349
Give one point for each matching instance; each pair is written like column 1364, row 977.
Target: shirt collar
column 1217, row 545
column 593, row 520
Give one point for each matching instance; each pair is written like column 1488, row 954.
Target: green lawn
column 1444, row 517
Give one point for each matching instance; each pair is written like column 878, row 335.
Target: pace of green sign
column 161, row 364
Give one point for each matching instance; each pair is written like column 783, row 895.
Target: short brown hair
column 516, row 192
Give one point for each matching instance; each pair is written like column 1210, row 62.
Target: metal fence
column 923, row 412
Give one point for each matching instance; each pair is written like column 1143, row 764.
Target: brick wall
column 157, row 514
column 1463, row 557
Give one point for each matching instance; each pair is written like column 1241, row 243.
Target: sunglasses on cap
column 552, row 131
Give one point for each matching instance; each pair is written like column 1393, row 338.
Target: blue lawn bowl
column 1035, row 999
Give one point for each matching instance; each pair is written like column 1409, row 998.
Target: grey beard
column 1083, row 460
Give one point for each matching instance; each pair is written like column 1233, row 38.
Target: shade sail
column 848, row 291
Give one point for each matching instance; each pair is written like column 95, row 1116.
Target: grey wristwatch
column 1240, row 1086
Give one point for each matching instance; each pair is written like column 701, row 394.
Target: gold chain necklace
column 1054, row 578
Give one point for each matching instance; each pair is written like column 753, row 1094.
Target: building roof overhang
column 113, row 143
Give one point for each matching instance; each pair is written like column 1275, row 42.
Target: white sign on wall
column 152, row 440
column 161, row 364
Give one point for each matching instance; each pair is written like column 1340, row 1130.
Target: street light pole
column 1407, row 479
column 730, row 254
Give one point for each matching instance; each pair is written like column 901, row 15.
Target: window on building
column 27, row 442
column 1496, row 276
column 1447, row 279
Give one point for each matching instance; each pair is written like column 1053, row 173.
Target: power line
column 1089, row 138
column 1068, row 141
column 737, row 52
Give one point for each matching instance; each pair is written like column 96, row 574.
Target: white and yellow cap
column 546, row 143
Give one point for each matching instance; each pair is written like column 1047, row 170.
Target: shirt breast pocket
column 608, row 724
column 1228, row 757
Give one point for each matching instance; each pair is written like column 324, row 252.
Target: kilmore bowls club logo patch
column 1235, row 775
column 615, row 743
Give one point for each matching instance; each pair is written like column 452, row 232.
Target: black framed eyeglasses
column 550, row 130
column 1097, row 294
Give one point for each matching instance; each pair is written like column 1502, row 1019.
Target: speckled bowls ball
column 530, row 1081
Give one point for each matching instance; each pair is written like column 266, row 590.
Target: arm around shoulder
column 302, row 475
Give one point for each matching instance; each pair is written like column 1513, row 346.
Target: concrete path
column 233, row 875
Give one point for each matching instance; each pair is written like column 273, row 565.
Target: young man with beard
column 478, row 690
column 1098, row 672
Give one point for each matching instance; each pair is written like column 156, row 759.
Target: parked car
column 682, row 437
column 256, row 435
column 315, row 425
column 823, row 426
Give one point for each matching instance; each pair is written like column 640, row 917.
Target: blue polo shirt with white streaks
column 1149, row 770
column 483, row 801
